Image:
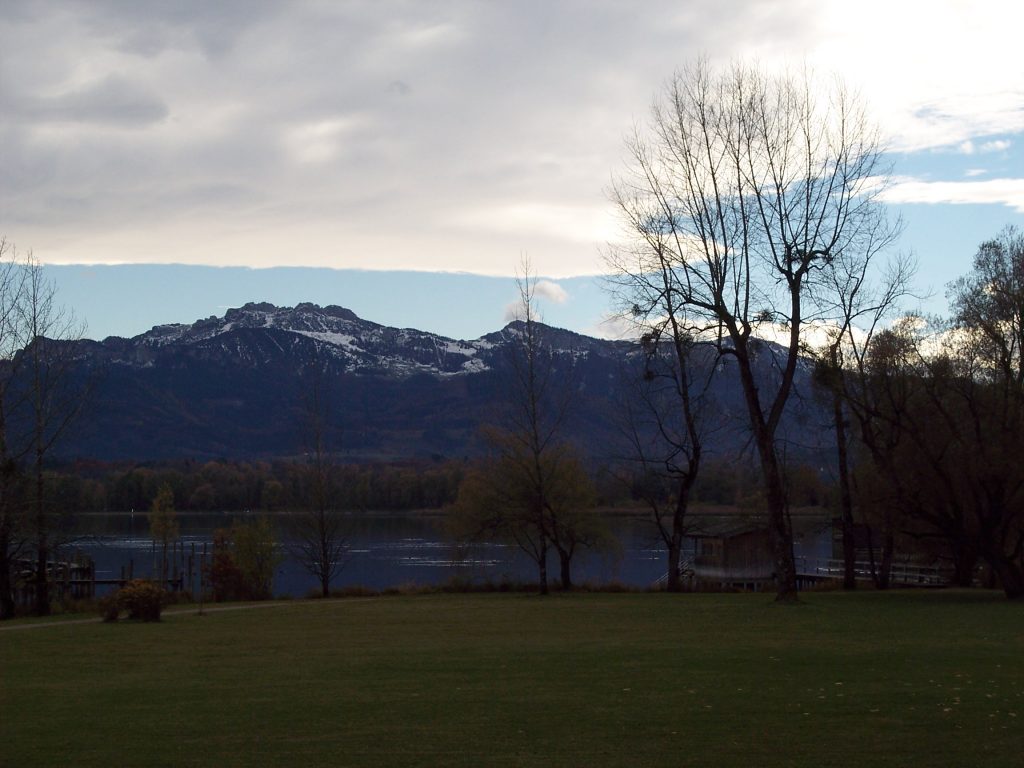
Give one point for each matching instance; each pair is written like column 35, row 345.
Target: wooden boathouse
column 737, row 555
column 731, row 554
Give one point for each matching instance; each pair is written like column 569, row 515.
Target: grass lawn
column 901, row 679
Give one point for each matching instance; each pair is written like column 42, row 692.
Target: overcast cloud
column 429, row 136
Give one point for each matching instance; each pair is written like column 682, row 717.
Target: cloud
column 614, row 327
column 969, row 147
column 112, row 101
column 546, row 289
column 513, row 311
column 430, row 136
column 939, row 74
column 999, row 145
column 320, row 141
column 594, row 224
column 1008, row 192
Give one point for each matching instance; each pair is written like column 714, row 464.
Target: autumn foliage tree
column 244, row 560
column 163, row 525
column 541, row 507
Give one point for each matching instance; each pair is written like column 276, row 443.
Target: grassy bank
column 913, row 679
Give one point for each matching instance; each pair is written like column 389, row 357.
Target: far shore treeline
column 273, row 486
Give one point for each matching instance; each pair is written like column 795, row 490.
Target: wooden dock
column 809, row 572
column 75, row 578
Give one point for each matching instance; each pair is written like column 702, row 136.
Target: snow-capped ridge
column 361, row 345
column 258, row 332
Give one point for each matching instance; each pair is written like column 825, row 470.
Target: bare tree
column 537, row 410
column 864, row 296
column 882, row 391
column 498, row 500
column 988, row 305
column 664, row 426
column 41, row 398
column 540, row 496
column 988, row 358
column 952, row 448
column 12, row 522
column 748, row 187
column 319, row 533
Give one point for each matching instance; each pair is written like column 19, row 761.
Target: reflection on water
column 394, row 550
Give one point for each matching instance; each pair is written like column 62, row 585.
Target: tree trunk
column 42, row 584
column 542, row 568
column 565, row 560
column 6, row 586
column 6, row 593
column 845, row 497
column 888, row 546
column 849, row 555
column 325, row 558
column 1011, row 577
column 675, row 543
column 674, row 583
column 1009, row 573
column 163, row 564
column 965, row 557
column 872, row 563
column 42, row 607
column 779, row 531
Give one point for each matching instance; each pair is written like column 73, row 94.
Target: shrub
column 243, row 563
column 223, row 574
column 255, row 553
column 143, row 600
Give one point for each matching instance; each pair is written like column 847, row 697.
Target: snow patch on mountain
column 344, row 340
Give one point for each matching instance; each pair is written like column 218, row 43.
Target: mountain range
column 241, row 386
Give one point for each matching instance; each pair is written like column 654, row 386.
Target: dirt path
column 184, row 611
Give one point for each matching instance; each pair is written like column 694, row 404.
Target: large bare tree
column 748, row 187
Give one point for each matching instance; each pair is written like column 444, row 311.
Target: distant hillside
column 238, row 386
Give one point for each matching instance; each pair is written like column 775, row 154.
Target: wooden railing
column 685, row 569
column 907, row 574
column 902, row 574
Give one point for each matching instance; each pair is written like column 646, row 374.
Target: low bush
column 141, row 600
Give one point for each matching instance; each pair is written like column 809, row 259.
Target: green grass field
column 872, row 679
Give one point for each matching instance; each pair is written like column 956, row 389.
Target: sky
column 401, row 158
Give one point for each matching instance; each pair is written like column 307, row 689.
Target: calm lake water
column 389, row 550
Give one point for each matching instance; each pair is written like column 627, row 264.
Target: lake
column 388, row 550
